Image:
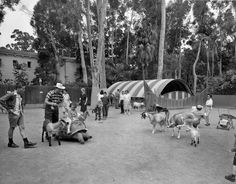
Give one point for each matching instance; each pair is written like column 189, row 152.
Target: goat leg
column 50, row 141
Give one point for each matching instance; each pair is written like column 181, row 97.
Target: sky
column 16, row 20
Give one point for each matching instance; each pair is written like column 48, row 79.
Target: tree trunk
column 127, row 43
column 235, row 50
column 208, row 67
column 101, row 7
column 112, row 46
column 103, row 83
column 194, row 69
column 84, row 70
column 94, row 67
column 213, row 62
column 55, row 54
column 162, row 40
column 220, row 62
column 180, row 65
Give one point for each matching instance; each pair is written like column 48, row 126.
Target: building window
column 15, row 63
column 29, row 64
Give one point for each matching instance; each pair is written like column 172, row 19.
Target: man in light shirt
column 13, row 103
column 208, row 108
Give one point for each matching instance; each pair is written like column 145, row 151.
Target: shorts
column 51, row 114
column 16, row 120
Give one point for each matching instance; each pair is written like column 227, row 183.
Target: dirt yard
column 122, row 151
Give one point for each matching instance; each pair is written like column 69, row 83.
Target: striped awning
column 159, row 87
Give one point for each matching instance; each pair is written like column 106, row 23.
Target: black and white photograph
column 117, row 91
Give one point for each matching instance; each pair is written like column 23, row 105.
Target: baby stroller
column 225, row 122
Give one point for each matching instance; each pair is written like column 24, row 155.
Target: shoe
column 30, row 145
column 230, row 177
column 12, row 145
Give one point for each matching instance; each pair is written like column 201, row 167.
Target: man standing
column 117, row 98
column 105, row 105
column 52, row 101
column 208, row 108
column 13, row 103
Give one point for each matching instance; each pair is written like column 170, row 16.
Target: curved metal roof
column 159, row 87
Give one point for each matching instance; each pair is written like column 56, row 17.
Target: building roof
column 159, row 87
column 7, row 52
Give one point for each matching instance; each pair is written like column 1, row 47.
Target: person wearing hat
column 52, row 101
column 12, row 101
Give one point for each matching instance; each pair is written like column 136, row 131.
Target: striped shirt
column 55, row 97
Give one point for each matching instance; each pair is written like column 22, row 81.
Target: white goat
column 138, row 105
column 157, row 118
column 195, row 136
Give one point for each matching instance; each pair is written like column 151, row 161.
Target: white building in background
column 68, row 70
column 8, row 58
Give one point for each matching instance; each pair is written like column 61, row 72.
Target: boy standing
column 13, row 103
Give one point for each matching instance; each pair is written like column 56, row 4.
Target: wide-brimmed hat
column 60, row 86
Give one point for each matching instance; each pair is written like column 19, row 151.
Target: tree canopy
column 199, row 45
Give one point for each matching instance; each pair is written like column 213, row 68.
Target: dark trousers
column 105, row 110
column 52, row 113
column 122, row 106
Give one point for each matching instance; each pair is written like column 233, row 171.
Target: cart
column 225, row 122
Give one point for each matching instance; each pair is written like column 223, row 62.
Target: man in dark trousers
column 12, row 101
column 105, row 103
column 52, row 101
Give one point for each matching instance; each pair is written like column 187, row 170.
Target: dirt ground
column 122, row 151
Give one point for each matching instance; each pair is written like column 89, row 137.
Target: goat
column 184, row 119
column 51, row 129
column 195, row 135
column 138, row 105
column 157, row 118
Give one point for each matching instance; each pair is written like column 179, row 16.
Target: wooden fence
column 37, row 94
column 198, row 99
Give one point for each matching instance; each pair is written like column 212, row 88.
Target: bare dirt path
column 122, row 151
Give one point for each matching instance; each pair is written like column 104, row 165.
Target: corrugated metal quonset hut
column 169, row 88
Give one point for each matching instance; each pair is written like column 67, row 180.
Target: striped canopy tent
column 159, row 87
